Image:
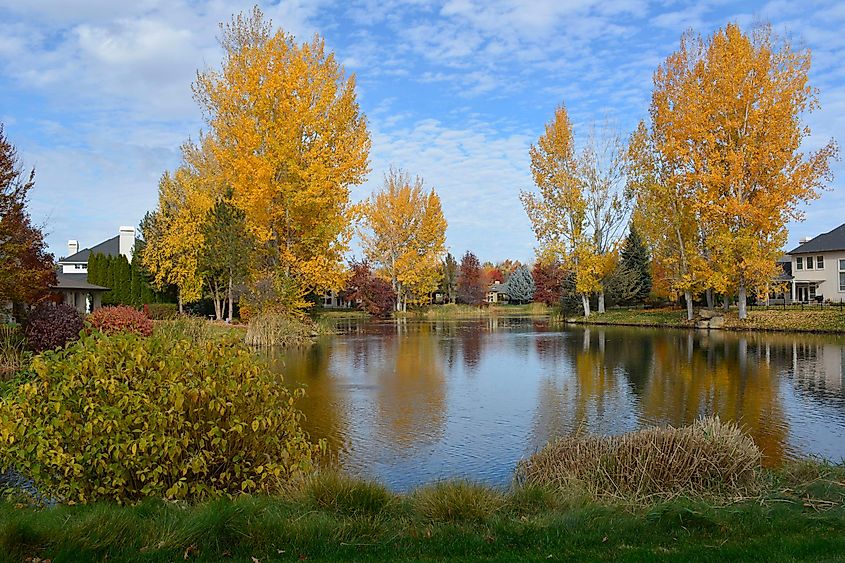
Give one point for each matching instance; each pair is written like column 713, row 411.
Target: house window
column 819, row 262
column 842, row 275
column 809, row 263
column 799, row 263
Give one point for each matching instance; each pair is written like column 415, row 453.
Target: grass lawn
column 801, row 517
column 809, row 319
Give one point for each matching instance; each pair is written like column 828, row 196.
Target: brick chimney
column 127, row 242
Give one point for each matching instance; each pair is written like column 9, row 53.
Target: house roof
column 498, row 288
column 76, row 281
column 109, row 247
column 833, row 240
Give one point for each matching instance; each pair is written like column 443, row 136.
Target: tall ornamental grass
column 707, row 458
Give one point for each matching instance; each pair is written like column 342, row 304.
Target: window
column 842, row 275
column 799, row 263
column 809, row 263
column 819, row 262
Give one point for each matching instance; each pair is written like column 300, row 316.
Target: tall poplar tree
column 290, row 141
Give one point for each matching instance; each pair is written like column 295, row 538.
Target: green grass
column 819, row 319
column 800, row 516
column 458, row 311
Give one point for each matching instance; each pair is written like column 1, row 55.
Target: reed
column 277, row 329
column 709, row 458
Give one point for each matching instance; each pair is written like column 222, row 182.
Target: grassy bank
column 827, row 319
column 457, row 311
column 800, row 516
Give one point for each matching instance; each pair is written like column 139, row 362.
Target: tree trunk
column 688, row 298
column 711, row 302
column 741, row 298
column 726, row 302
column 179, row 298
column 230, row 298
column 585, row 301
column 601, row 302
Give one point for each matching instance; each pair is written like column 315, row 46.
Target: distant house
column 335, row 300
column 818, row 268
column 497, row 293
column 72, row 272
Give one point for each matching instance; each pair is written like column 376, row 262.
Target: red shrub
column 121, row 318
column 52, row 326
column 371, row 293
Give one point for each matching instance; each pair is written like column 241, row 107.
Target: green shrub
column 458, row 501
column 121, row 318
column 52, row 326
column 707, row 458
column 344, row 495
column 123, row 417
column 194, row 329
column 161, row 311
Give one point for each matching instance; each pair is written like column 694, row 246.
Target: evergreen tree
column 449, row 278
column 635, row 266
column 520, row 285
column 470, row 284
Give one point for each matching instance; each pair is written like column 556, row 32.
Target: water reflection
column 409, row 402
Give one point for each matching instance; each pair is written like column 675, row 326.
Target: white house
column 818, row 268
column 73, row 270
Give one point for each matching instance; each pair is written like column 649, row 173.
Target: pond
column 411, row 402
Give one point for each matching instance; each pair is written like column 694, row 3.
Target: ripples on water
column 412, row 402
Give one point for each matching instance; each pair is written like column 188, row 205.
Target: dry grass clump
column 277, row 329
column 707, row 458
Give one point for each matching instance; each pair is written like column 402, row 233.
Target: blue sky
column 96, row 94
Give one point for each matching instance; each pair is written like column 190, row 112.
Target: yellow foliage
column 404, row 234
column 290, row 141
column 720, row 172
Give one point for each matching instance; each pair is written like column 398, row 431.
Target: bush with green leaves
column 123, row 417
column 51, row 326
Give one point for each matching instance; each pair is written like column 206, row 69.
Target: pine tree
column 636, row 263
column 520, row 285
column 449, row 278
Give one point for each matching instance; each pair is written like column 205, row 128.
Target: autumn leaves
column 715, row 173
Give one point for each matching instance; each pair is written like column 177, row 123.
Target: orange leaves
column 723, row 166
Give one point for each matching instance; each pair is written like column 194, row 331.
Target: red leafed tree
column 549, row 282
column 26, row 268
column 371, row 293
column 491, row 274
column 470, row 282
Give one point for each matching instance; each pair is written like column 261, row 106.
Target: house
column 72, row 272
column 497, row 293
column 818, row 268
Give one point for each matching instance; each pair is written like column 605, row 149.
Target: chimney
column 127, row 242
column 805, row 239
column 72, row 247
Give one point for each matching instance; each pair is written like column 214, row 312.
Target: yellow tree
column 173, row 232
column 290, row 141
column 580, row 212
column 727, row 131
column 753, row 90
column 404, row 234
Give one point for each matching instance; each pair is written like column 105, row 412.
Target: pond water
column 408, row 402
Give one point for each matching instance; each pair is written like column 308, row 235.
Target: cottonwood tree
column 290, row 140
column 520, row 285
column 724, row 145
column 26, row 268
column 404, row 235
column 470, row 285
column 580, row 211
